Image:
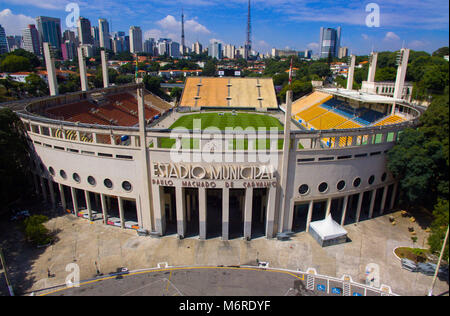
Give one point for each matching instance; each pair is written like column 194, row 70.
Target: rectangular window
column 59, row 148
column 360, row 155
column 105, row 155
column 344, row 157
column 375, row 153
column 326, row 158
column 305, row 160
column 124, row 157
column 87, row 152
column 73, row 150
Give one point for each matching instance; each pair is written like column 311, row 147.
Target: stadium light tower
column 183, row 50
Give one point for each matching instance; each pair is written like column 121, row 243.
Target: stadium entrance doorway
column 192, row 212
column 237, row 204
column 213, row 213
column 259, row 211
column 170, row 211
column 300, row 217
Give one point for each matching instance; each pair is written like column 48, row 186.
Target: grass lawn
column 228, row 120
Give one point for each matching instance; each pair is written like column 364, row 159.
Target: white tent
column 328, row 232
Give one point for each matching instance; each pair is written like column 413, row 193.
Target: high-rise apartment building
column 49, row 30
column 330, row 41
column 197, row 48
column 149, row 46
column 343, row 52
column 135, row 39
column 103, row 27
column 229, row 51
column 3, row 41
column 31, row 40
column 84, row 31
column 215, row 50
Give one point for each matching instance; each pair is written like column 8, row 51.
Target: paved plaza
column 95, row 246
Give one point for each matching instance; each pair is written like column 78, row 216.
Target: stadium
column 228, row 162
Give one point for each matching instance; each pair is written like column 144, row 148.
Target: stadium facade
column 100, row 154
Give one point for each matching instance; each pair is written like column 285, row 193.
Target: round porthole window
column 357, row 182
column 383, row 177
column 108, row 183
column 63, row 174
column 341, row 185
column 323, row 187
column 91, row 180
column 76, row 177
column 304, row 188
column 52, row 171
column 371, row 179
column 126, row 186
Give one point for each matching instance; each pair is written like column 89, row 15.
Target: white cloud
column 365, row 37
column 391, row 36
column 14, row 23
column 170, row 27
column 313, row 46
column 417, row 44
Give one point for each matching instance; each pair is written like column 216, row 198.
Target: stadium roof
column 361, row 96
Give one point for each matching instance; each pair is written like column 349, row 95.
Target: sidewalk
column 85, row 243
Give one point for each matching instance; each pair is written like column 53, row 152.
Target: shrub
column 35, row 231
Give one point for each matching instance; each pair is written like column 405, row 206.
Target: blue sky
column 420, row 25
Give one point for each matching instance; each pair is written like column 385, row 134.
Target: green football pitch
column 222, row 122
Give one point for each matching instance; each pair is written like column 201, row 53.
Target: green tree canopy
column 13, row 63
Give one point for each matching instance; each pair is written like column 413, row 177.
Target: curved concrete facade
column 211, row 191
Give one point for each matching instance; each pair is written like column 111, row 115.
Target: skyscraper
column 31, row 41
column 3, row 41
column 149, row 46
column 135, row 39
column 103, row 27
column 215, row 50
column 95, row 36
column 84, row 31
column 330, row 41
column 69, row 36
column 49, row 30
column 197, row 48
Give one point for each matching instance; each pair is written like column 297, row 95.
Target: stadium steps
column 392, row 119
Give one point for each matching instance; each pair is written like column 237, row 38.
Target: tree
column 14, row 159
column 209, row 69
column 35, row 86
column 441, row 52
column 176, row 93
column 13, row 63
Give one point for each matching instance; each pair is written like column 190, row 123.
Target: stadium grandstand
column 250, row 93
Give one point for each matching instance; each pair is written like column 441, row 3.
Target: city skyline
column 280, row 24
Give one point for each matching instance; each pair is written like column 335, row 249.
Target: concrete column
column 225, row 213
column 52, row 193
column 394, row 193
column 160, row 211
column 344, row 210
column 74, row 200
column 122, row 217
column 270, row 218
column 285, row 163
column 310, row 211
column 44, row 190
column 202, row 213
column 104, row 69
column 104, row 209
column 181, row 212
column 88, row 204
column 328, row 208
column 248, row 213
column 63, row 198
column 351, row 72
column 372, row 67
column 358, row 209
column 148, row 214
column 51, row 70
column 373, row 197
column 383, row 199
column 83, row 72
column 401, row 73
